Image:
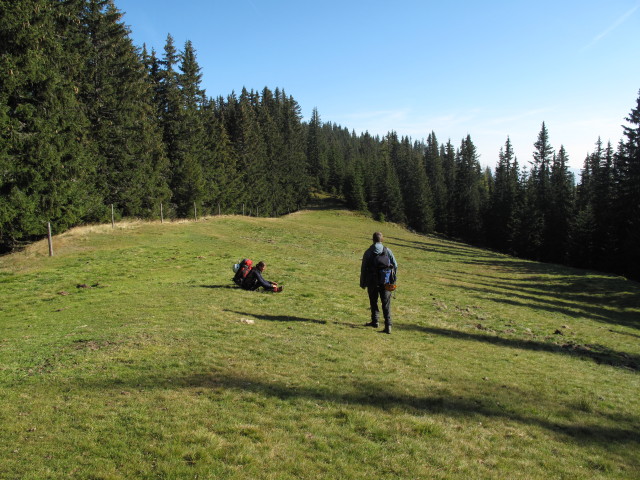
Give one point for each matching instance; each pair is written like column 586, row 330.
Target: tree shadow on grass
column 451, row 248
column 279, row 318
column 555, row 288
column 601, row 304
column 379, row 396
column 598, row 353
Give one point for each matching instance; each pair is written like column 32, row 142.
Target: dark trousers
column 374, row 292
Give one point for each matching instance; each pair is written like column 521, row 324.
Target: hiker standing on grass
column 255, row 280
column 376, row 259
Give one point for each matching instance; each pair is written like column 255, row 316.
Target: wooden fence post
column 50, row 239
column 195, row 211
column 161, row 215
column 113, row 222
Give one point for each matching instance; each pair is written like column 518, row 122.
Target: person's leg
column 385, row 296
column 372, row 290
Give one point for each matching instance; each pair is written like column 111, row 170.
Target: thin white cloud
column 615, row 25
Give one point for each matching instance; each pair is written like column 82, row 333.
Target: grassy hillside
column 129, row 355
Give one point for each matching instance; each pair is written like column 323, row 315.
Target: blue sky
column 491, row 69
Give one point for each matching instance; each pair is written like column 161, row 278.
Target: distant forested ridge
column 89, row 120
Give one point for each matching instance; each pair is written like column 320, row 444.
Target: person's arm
column 363, row 270
column 392, row 259
column 262, row 281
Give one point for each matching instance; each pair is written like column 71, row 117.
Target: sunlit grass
column 128, row 355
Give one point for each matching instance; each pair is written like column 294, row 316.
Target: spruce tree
column 336, row 167
column 389, row 203
column 436, row 175
column 222, row 182
column 316, row 151
column 417, row 195
column 584, row 223
column 294, row 171
column 560, row 210
column 448, row 156
column 252, row 156
column 45, row 173
column 188, row 181
column 180, row 101
column 469, row 194
column 354, row 192
column 502, row 218
column 269, row 118
column 628, row 196
column 528, row 238
column 368, row 154
column 540, row 182
column 114, row 87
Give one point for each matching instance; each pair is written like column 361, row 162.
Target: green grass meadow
column 129, row 355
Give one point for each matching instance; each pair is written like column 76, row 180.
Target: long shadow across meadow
column 617, row 431
column 601, row 305
column 599, row 354
column 565, row 290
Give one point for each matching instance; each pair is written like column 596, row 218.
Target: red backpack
column 243, row 269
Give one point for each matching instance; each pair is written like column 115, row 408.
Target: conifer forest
column 89, row 120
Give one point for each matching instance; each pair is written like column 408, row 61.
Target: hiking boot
column 371, row 324
column 387, row 329
column 279, row 288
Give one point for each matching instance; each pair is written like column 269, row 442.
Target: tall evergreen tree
column 560, row 210
column 354, row 190
column 316, row 155
column 114, row 88
column 44, row 169
column 294, row 160
column 252, row 156
column 436, row 175
column 368, row 156
column 584, row 224
column 448, row 156
column 417, row 195
column 389, row 203
column 222, row 184
column 528, row 234
column 502, row 219
column 180, row 100
column 540, row 183
column 468, row 194
column 188, row 181
column 628, row 196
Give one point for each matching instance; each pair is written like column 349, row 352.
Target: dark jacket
column 254, row 280
column 367, row 273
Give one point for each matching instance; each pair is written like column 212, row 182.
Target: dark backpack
column 244, row 267
column 383, row 267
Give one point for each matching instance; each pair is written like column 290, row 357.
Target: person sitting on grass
column 255, row 280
